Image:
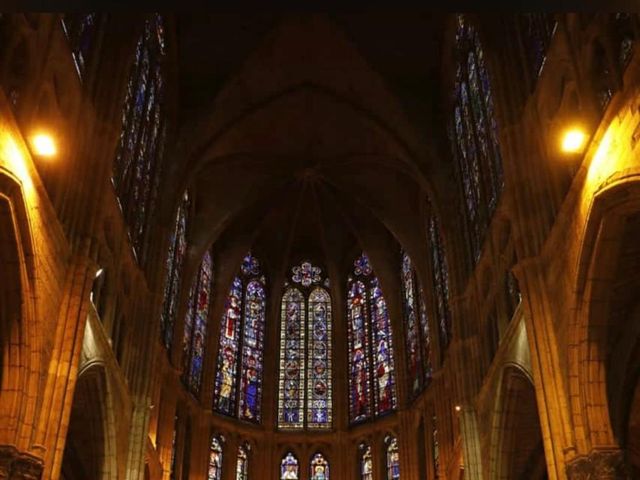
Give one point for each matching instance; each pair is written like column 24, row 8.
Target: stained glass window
column 173, row 274
column 174, row 447
column 371, row 362
column 305, row 380
column 238, row 385
column 289, row 467
column 366, row 462
column 393, row 458
column 426, row 337
column 536, row 30
column 319, row 468
column 474, row 137
column 242, row 463
column 136, row 169
column 195, row 325
column 81, row 30
column 214, row 471
column 440, row 277
column 512, row 290
column 411, row 320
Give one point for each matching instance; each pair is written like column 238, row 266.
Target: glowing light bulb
column 44, row 145
column 573, row 141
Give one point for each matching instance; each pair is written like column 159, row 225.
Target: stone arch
column 519, row 447
column 603, row 361
column 90, row 448
column 19, row 352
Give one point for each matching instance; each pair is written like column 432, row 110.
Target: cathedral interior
column 372, row 245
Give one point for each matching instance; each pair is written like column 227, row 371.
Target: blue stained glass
column 362, row 265
column 173, row 278
column 224, row 397
column 371, row 363
column 81, row 30
column 195, row 324
column 385, row 397
column 359, row 348
column 251, row 380
column 319, row 403
column 136, row 169
column 292, row 355
column 393, row 458
column 440, row 272
column 475, row 143
column 289, row 467
column 306, row 274
column 426, row 337
column 319, row 468
column 240, row 355
column 414, row 353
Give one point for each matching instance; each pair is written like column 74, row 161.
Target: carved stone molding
column 601, row 465
column 15, row 465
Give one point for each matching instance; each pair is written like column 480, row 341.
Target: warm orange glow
column 44, row 145
column 573, row 141
column 14, row 159
column 458, row 408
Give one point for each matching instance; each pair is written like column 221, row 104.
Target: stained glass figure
column 412, row 334
column 435, row 447
column 173, row 275
column 174, row 442
column 253, row 333
column 137, row 166
column 305, row 379
column 366, row 462
column 393, row 458
column 319, row 468
column 242, row 463
column 195, row 324
column 292, row 355
column 512, row 290
column 306, row 274
column 215, row 459
column 289, row 467
column 371, row 364
column 238, row 386
column 81, row 30
column 536, row 30
column 319, row 402
column 440, row 277
column 426, row 337
column 474, row 137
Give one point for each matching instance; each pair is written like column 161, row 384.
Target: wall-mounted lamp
column 458, row 408
column 573, row 140
column 43, row 145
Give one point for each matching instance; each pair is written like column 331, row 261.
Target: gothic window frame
column 309, row 287
column 319, row 459
column 137, row 166
column 216, row 445
column 474, row 137
column 365, row 468
column 391, row 457
column 242, row 348
column 363, row 288
column 289, row 474
column 174, row 266
column 196, row 324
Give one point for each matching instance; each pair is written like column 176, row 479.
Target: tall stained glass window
column 417, row 328
column 366, row 462
column 195, row 325
column 319, row 468
column 289, row 467
column 371, row 363
column 242, row 462
column 536, row 30
column 214, row 472
column 305, row 382
column 238, row 385
column 173, row 274
column 393, row 458
column 474, row 136
column 435, row 447
column 81, row 30
column 440, row 276
column 625, row 26
column 136, row 169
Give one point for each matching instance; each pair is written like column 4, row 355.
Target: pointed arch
column 289, row 467
column 319, row 467
column 372, row 389
column 238, row 384
column 195, row 325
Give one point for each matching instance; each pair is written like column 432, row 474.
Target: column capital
column 601, row 464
